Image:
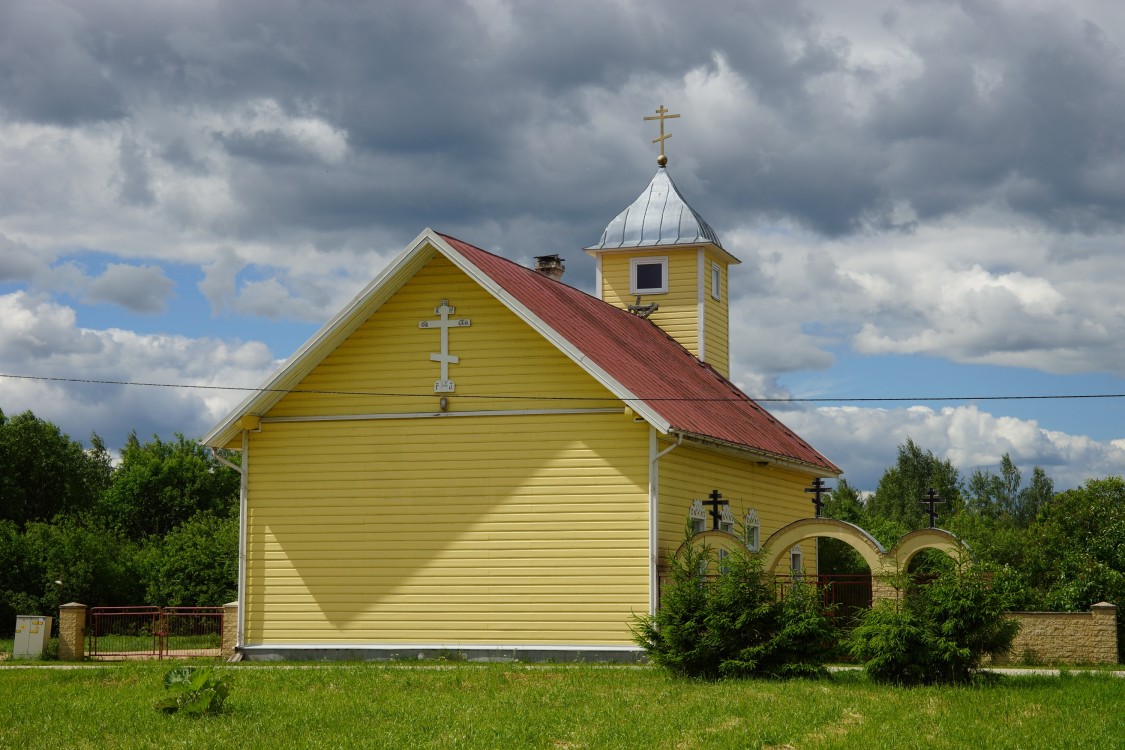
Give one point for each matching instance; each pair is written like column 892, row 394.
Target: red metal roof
column 691, row 396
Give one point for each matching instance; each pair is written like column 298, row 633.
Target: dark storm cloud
column 49, row 66
column 1028, row 104
column 443, row 104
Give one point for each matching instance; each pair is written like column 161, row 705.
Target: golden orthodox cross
column 662, row 115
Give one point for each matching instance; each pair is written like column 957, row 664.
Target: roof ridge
column 608, row 306
column 717, row 399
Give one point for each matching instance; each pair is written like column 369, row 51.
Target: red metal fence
column 154, row 632
column 844, row 596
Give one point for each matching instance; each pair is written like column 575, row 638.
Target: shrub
column 934, row 633
column 733, row 624
column 194, row 565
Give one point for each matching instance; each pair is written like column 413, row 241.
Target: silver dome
column 660, row 216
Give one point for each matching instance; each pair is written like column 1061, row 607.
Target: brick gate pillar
column 72, row 631
column 230, row 629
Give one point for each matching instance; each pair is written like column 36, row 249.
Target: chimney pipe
column 551, row 266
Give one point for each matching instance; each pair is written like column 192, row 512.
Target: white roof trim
column 397, row 272
column 294, row 368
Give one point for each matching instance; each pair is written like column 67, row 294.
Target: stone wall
column 1065, row 637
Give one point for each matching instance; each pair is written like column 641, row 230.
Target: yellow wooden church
column 473, row 457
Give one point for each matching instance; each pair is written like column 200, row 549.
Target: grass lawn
column 515, row 706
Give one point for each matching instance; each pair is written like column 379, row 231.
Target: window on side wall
column 753, row 531
column 716, row 281
column 697, row 517
column 796, row 560
column 648, row 275
column 726, row 521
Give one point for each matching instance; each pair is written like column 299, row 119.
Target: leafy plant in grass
column 934, row 633
column 196, row 691
column 732, row 623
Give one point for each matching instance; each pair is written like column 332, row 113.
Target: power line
column 384, row 394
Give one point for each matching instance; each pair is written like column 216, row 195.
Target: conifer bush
column 938, row 632
column 733, row 623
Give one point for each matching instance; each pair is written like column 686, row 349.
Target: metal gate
column 116, row 633
column 844, row 596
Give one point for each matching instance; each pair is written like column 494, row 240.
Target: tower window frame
column 641, row 275
column 716, row 282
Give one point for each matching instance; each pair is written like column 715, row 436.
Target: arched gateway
column 883, row 563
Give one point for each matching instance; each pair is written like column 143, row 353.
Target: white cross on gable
column 444, row 310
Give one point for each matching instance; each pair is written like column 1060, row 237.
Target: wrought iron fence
column 154, row 632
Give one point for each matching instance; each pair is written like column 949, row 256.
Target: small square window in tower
column 648, row 275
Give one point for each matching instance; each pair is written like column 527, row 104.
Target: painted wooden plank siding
column 689, row 473
column 479, row 530
column 389, row 355
column 679, row 307
column 716, row 317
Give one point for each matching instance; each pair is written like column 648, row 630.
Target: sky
column 928, row 197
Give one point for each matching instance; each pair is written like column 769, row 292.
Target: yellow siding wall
column 689, row 473
column 679, row 308
column 390, row 355
column 477, row 530
column 716, row 317
column 446, row 529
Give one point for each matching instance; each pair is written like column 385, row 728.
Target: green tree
column 1080, row 553
column 68, row 559
column 902, row 487
column 160, row 485
column 195, row 565
column 937, row 632
column 1034, row 496
column 44, row 473
column 19, row 577
column 732, row 623
column 1003, row 497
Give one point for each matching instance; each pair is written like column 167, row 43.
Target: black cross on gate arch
column 819, row 490
column 931, row 499
column 716, row 501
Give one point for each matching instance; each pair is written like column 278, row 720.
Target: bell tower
column 659, row 259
